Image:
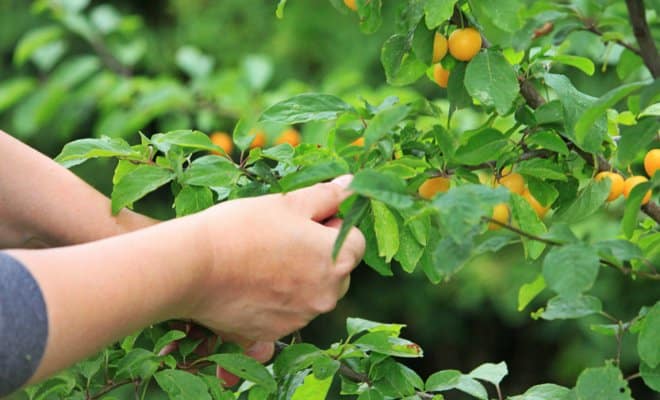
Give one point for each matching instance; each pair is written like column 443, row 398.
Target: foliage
column 537, row 123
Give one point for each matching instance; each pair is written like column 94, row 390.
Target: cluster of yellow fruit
column 463, row 44
column 619, row 186
column 224, row 140
column 512, row 181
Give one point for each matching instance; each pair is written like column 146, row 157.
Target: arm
column 42, row 203
column 255, row 269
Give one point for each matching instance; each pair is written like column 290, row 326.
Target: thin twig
column 109, row 388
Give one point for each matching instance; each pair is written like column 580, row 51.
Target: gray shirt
column 23, row 324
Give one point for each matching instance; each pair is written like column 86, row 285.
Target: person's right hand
column 272, row 272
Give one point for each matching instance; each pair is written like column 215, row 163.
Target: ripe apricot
column 440, row 75
column 290, row 136
column 222, row 140
column 500, row 214
column 439, row 47
column 351, row 4
column 358, row 142
column 259, row 139
column 538, row 208
column 633, row 181
column 652, row 162
column 616, row 186
column 464, row 43
column 514, row 182
column 433, row 186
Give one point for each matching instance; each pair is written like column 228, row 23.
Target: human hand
column 272, row 270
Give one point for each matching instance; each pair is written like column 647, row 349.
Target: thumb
column 321, row 201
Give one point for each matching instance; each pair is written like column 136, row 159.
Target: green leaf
column 371, row 257
column 542, row 191
column 34, row 40
column 651, row 376
column 371, row 394
column 529, row 291
column 605, row 383
column 523, row 215
column 359, row 325
column 438, row 12
column 597, row 110
column 618, row 251
column 312, row 388
column 400, row 64
column 295, row 358
column 79, row 151
column 541, row 168
column 180, row 385
column 633, row 202
column 394, row 379
column 212, row 171
column 491, row 80
column 489, row 372
column 192, row 199
column 482, row 146
column 546, row 391
column 137, row 363
column 456, row 92
column 449, row 256
column 410, row 250
column 13, row 90
column 635, row 138
column 384, row 343
column 460, row 209
column 369, row 12
column 383, row 123
column 649, row 337
column 385, row 187
column 167, row 338
column 350, row 219
column 590, row 200
column 582, row 63
column 571, row 307
column 548, row 140
column 443, row 380
column 574, row 105
column 313, row 174
column 305, row 108
column 137, row 184
column 571, row 269
column 279, row 12
column 387, row 230
column 184, row 138
column 245, row 367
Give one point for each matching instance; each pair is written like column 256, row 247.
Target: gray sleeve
column 23, row 324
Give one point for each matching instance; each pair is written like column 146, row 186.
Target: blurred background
column 78, row 68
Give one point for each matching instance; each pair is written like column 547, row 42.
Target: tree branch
column 648, row 50
column 594, row 29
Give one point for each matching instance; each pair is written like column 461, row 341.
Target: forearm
column 42, row 202
column 99, row 292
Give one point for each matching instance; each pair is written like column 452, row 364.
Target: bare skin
column 251, row 270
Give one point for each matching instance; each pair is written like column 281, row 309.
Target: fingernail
column 343, row 180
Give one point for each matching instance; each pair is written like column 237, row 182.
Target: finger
column 351, row 251
column 344, row 285
column 261, row 351
column 334, row 223
column 321, row 201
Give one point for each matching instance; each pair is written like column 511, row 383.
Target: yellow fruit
column 351, row 4
column 633, row 181
column 514, row 182
column 500, row 214
column 652, row 162
column 433, row 186
column 222, row 140
column 290, row 136
column 439, row 47
column 259, row 139
column 440, row 75
column 538, row 208
column 616, row 186
column 464, row 43
column 358, row 142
